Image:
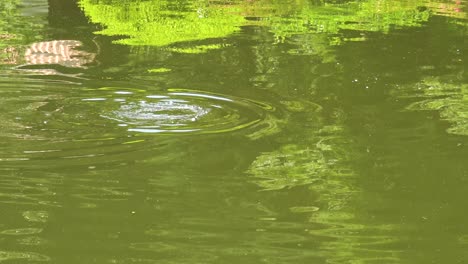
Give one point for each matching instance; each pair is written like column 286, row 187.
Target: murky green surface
column 257, row 131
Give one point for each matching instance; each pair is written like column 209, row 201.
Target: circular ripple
column 187, row 111
column 98, row 127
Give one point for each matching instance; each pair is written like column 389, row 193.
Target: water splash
column 187, row 111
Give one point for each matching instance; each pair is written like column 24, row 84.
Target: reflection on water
column 210, row 19
column 444, row 96
column 454, row 9
column 22, row 256
column 43, row 58
column 61, row 52
column 21, row 231
column 36, row 216
column 28, row 190
column 320, row 164
column 163, row 22
column 285, row 143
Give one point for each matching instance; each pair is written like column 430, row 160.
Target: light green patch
column 134, row 141
column 160, row 23
column 301, row 106
column 304, row 209
column 159, row 70
column 119, row 88
column 450, row 99
column 197, row 49
column 370, row 15
column 314, row 28
column 316, row 163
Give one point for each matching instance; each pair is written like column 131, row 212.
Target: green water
column 237, row 131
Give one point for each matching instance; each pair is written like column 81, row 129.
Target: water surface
column 233, row 131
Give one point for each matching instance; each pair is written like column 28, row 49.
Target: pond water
column 242, row 131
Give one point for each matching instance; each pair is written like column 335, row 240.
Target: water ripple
column 28, row 256
column 186, row 111
column 36, row 216
column 21, row 231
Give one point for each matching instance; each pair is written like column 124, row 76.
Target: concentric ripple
column 186, row 111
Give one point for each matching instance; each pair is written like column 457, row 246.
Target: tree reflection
column 162, row 23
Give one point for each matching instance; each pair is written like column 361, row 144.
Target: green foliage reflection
column 316, row 162
column 321, row 160
column 15, row 30
column 371, row 15
column 13, row 25
column 159, row 22
column 451, row 99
